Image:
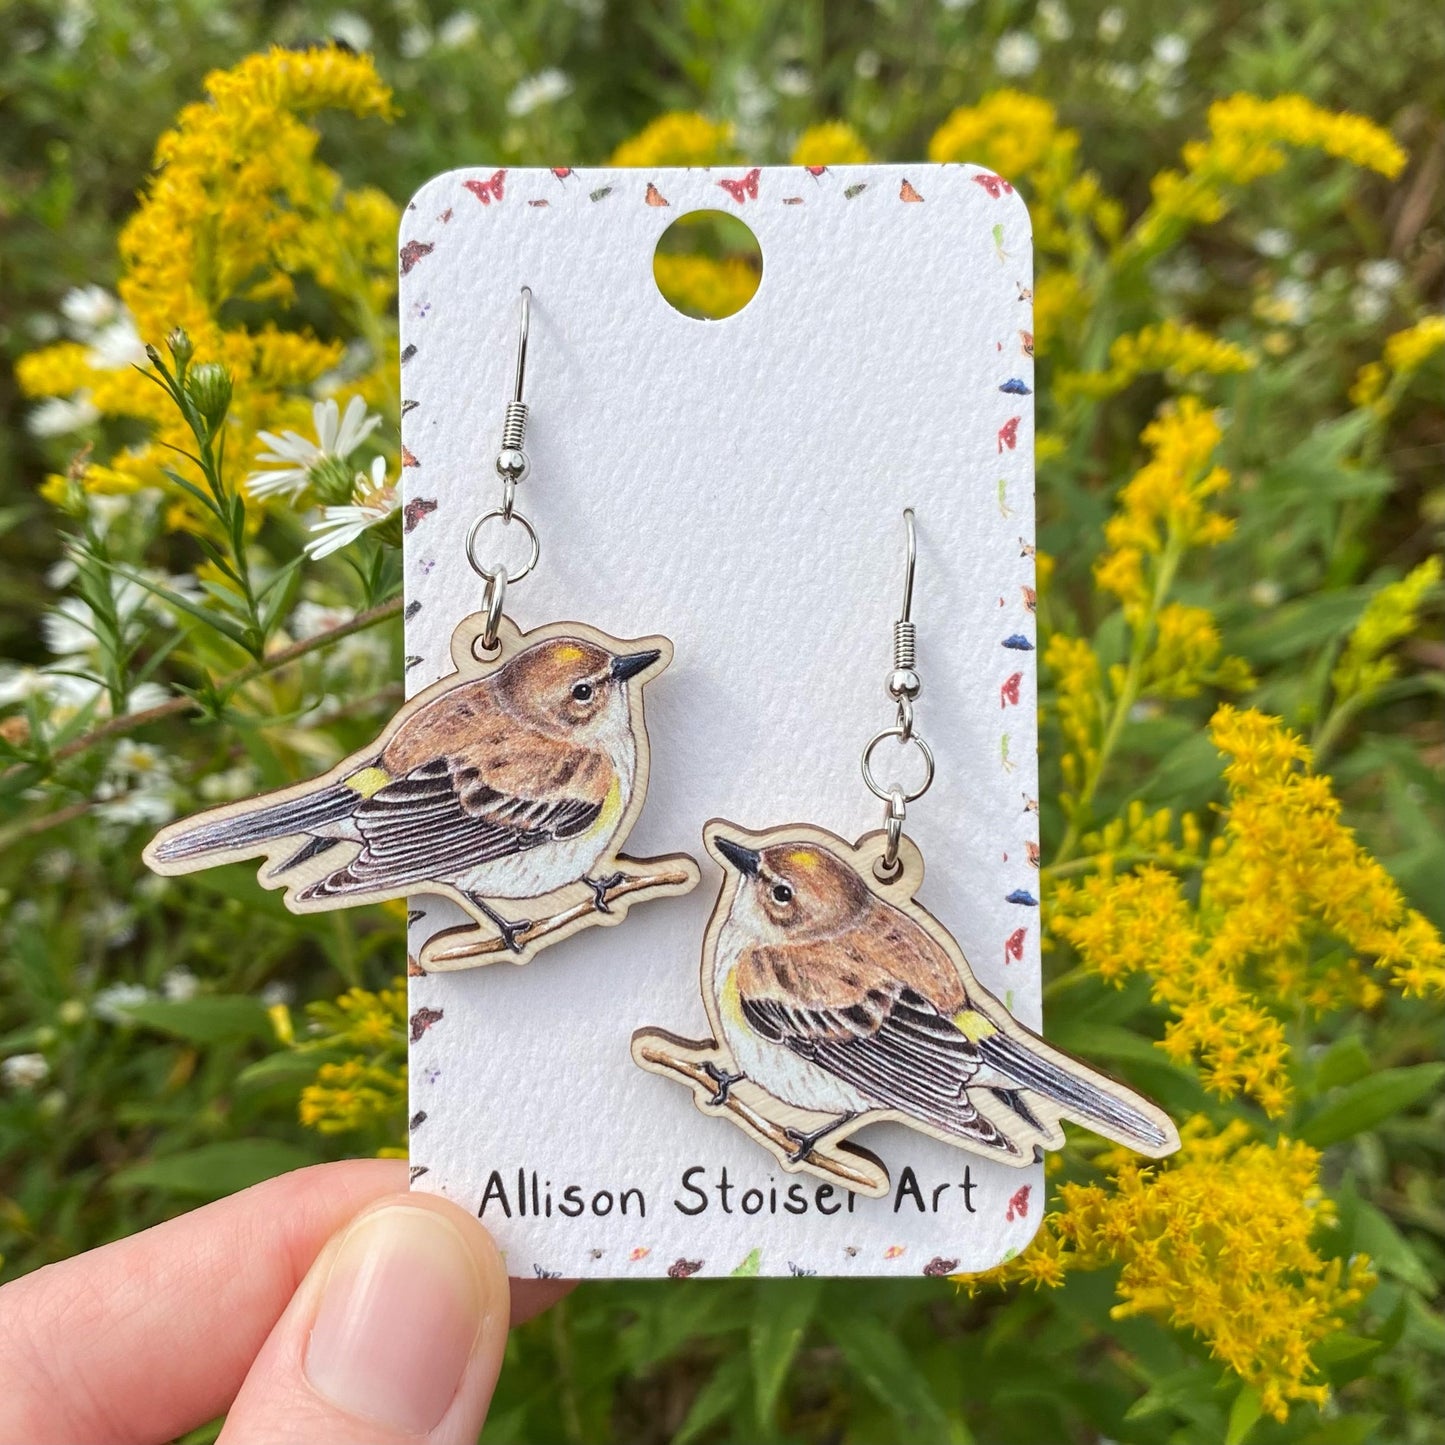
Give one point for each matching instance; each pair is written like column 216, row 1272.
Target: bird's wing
column 440, row 819
column 888, row 1042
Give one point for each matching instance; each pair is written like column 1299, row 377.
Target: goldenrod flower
column 1290, row 912
column 238, row 208
column 833, row 143
column 1220, row 1241
column 679, row 138
column 1393, row 613
column 1179, row 350
column 1247, row 141
column 1410, row 349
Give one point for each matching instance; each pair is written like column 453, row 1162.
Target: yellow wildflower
column 1220, row 1241
column 833, row 143
column 1074, row 666
column 1019, row 136
column 1186, row 655
column 679, row 138
column 1290, row 912
column 367, row 1088
column 239, row 206
column 1163, row 504
column 1369, row 384
column 1247, row 140
column 705, row 286
column 1059, row 302
column 1410, row 349
column 1393, row 612
column 1178, row 350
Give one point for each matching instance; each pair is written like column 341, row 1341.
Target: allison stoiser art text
column 527, row 1194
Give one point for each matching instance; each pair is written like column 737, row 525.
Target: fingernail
column 399, row 1316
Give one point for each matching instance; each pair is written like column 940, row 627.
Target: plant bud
column 180, row 347
column 209, row 388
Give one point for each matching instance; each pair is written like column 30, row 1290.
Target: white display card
column 737, row 486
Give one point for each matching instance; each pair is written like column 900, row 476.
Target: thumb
column 396, row 1334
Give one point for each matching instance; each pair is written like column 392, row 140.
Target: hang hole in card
column 707, row 264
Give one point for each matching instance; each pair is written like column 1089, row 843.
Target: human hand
column 325, row 1305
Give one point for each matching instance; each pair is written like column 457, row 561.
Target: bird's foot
column 723, row 1080
column 806, row 1143
column 599, row 887
column 508, row 929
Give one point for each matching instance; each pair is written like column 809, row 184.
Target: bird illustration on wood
column 837, row 1001
column 510, row 783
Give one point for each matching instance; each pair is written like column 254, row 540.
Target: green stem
column 1128, row 695
column 177, row 706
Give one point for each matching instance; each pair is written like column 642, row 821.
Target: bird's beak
column 631, row 663
column 745, row 860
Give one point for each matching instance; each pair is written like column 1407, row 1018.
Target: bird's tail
column 224, row 830
column 1115, row 1112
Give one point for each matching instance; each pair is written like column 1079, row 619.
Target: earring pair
column 509, row 787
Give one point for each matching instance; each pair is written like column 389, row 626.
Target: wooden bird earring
column 837, row 1001
column 507, row 786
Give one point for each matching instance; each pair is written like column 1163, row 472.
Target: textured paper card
column 738, row 487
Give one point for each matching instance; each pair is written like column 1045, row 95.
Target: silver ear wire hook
column 512, row 463
column 512, row 467
column 904, row 686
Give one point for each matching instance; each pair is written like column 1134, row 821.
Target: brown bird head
column 574, row 687
column 789, row 891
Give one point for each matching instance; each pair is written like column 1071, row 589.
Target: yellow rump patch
column 973, row 1026
column 368, row 781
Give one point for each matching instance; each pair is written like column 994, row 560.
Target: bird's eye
column 582, row 691
column 782, row 893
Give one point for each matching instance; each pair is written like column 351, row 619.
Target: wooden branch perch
column 684, row 1060
column 477, row 942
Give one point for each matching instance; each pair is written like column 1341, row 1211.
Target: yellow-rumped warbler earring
column 836, row 1001
column 509, row 785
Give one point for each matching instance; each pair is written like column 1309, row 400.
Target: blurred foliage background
column 1241, row 494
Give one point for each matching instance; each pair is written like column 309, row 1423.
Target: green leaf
column 780, row 1318
column 1375, row 1234
column 749, row 1266
column 214, row 1170
column 184, row 604
column 1369, row 1102
column 208, row 1019
column 1243, row 1416
column 1344, row 1062
column 715, row 1399
column 881, row 1364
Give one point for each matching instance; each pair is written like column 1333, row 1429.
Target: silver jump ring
column 493, row 600
column 887, row 794
column 893, row 820
column 486, row 572
column 905, row 720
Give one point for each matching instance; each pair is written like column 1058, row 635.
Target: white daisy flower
column 179, row 984
column 24, row 1071
column 1017, row 53
column 1054, row 20
column 88, row 308
column 376, row 501
column 1381, row 274
column 545, row 88
column 294, row 457
column 1171, row 50
column 111, row 1002
column 59, row 416
column 117, row 346
column 458, row 30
